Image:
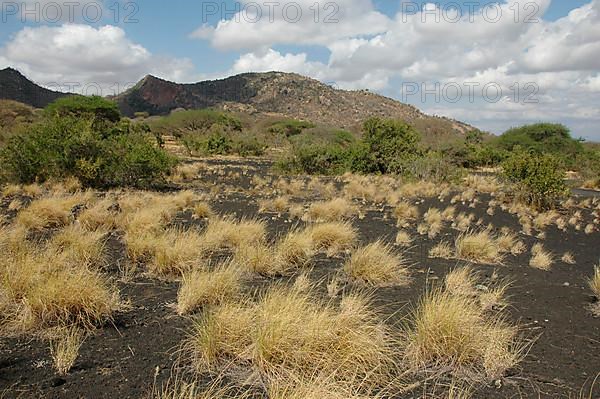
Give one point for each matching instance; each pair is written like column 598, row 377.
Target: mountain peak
column 15, row 86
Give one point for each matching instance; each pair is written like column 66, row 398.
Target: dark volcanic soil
column 123, row 359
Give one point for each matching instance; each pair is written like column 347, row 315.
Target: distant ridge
column 14, row 86
column 287, row 94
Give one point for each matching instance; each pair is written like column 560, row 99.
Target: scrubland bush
column 83, row 137
column 538, row 178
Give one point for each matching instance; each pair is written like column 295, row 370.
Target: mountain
column 14, row 86
column 285, row 94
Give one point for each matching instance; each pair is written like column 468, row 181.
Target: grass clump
column 288, row 329
column 49, row 212
column 333, row 237
column 453, row 331
column 377, row 265
column 330, row 211
column 64, row 348
column 478, row 247
column 208, row 287
column 541, row 259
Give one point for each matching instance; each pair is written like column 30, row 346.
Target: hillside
column 286, row 94
column 14, row 86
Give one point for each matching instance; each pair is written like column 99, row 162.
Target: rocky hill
column 286, row 94
column 14, row 86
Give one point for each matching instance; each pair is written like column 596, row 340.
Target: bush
column 183, row 123
column 85, row 145
column 318, row 160
column 390, row 142
column 93, row 107
column 543, row 138
column 539, row 178
column 250, row 146
column 290, row 127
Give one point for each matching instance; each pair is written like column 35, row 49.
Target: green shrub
column 539, row 178
column 390, row 143
column 92, row 107
column 318, row 160
column 290, row 127
column 543, row 138
column 218, row 144
column 248, row 146
column 202, row 121
column 97, row 151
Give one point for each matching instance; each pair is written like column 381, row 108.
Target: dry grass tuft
column 568, row 258
column 433, row 223
column 454, row 331
column 275, row 205
column 45, row 288
column 403, row 239
column 208, row 287
column 478, row 247
column 289, row 330
column 441, row 250
column 64, row 348
column 333, row 237
column 261, row 259
column 405, row 213
column 377, row 265
column 202, row 210
column 295, row 249
column 541, row 259
column 102, row 215
column 80, row 245
column 49, row 212
column 330, row 211
column 226, row 233
column 509, row 243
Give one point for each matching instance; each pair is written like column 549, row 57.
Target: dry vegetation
column 376, row 264
column 263, row 325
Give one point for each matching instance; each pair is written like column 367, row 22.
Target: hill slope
column 14, row 86
column 287, row 94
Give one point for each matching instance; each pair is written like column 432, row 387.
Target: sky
column 493, row 64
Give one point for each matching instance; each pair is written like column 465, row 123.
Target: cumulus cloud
column 258, row 25
column 545, row 70
column 78, row 57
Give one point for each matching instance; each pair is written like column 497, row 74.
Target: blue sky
column 369, row 45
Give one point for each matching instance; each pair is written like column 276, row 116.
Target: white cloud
column 294, row 22
column 85, row 58
column 511, row 45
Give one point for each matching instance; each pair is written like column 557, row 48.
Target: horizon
column 535, row 61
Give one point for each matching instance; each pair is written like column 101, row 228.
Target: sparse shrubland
column 84, row 138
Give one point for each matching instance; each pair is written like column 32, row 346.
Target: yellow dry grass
column 541, row 259
column 448, row 330
column 442, row 250
column 64, row 348
column 334, row 210
column 376, row 264
column 405, row 213
column 208, row 287
column 403, row 239
column 480, row 247
column 80, row 245
column 45, row 288
column 288, row 329
column 333, row 237
column 50, row 212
